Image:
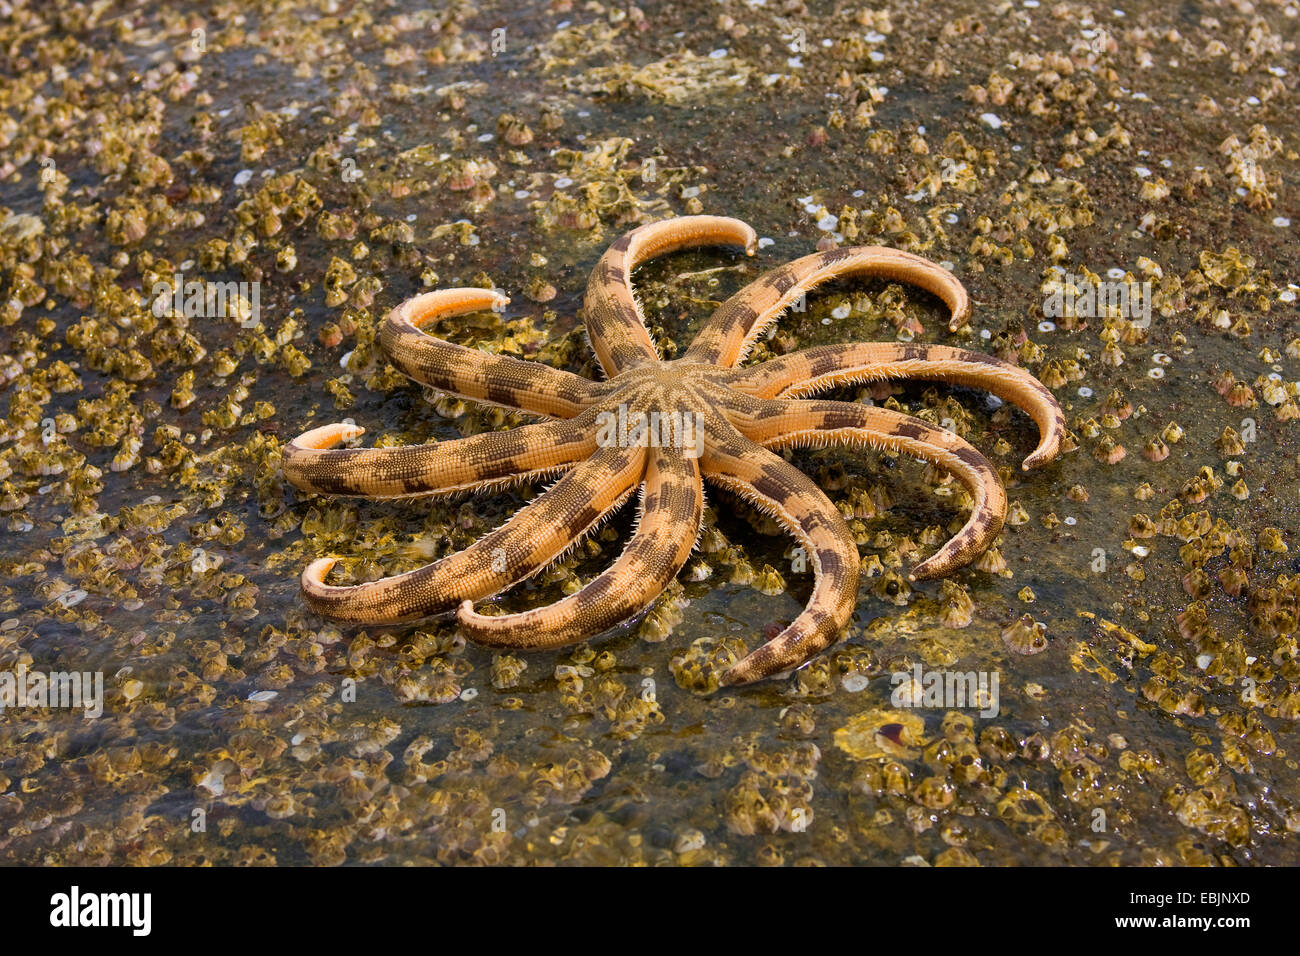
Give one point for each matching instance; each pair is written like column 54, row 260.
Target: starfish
column 661, row 427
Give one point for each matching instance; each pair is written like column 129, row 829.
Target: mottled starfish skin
column 742, row 414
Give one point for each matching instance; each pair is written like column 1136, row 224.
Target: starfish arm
column 533, row 537
column 731, row 331
column 615, row 324
column 470, row 373
column 667, row 528
column 800, row 423
column 814, row 370
column 312, row 463
column 771, row 484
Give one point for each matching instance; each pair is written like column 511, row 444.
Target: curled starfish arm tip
column 1047, row 451
column 923, row 573
column 313, row 576
column 301, row 456
column 327, row 436
column 429, row 307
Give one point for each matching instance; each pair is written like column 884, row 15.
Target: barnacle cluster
column 194, row 266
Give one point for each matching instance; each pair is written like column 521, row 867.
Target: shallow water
column 240, row 728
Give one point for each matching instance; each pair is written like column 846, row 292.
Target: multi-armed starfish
column 661, row 427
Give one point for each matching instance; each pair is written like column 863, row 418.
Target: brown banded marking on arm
column 667, row 527
column 312, row 463
column 731, row 331
column 615, row 324
column 805, row 373
column 774, row 486
column 788, row 422
column 534, row 536
column 470, row 373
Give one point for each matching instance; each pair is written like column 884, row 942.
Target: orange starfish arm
column 814, row 370
column 615, row 323
column 731, row 331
